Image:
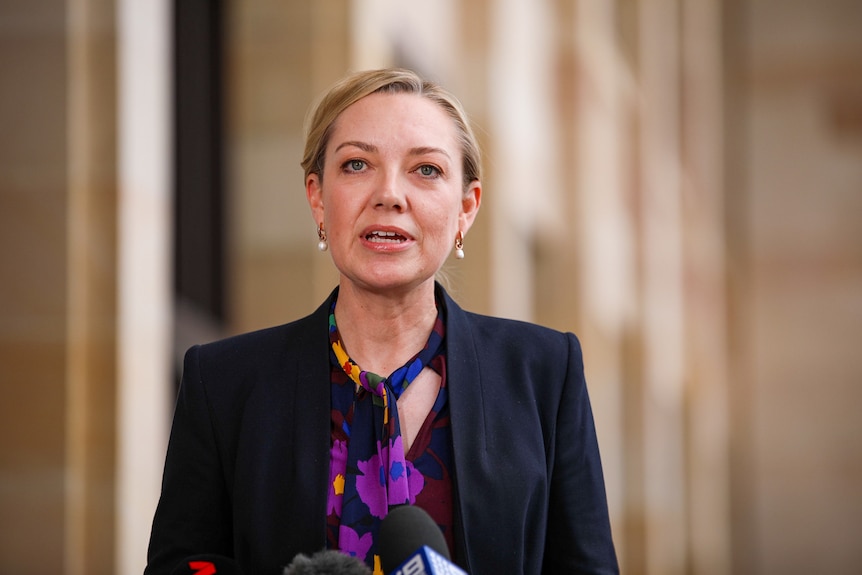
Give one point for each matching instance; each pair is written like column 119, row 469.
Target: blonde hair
column 356, row 86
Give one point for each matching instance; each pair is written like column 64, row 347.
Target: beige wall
column 797, row 263
column 33, row 292
column 677, row 181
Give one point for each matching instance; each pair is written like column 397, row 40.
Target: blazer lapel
column 467, row 408
column 311, row 420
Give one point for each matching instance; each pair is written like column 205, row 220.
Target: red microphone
column 207, row 564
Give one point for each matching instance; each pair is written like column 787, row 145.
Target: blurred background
column 679, row 182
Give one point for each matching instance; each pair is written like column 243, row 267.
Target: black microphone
column 207, row 564
column 326, row 562
column 412, row 543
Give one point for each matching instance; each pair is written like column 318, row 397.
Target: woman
column 285, row 440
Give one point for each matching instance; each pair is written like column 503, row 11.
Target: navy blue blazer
column 247, row 467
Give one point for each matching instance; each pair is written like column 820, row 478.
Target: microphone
column 411, row 543
column 207, row 564
column 326, row 562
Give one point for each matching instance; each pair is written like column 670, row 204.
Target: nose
column 388, row 193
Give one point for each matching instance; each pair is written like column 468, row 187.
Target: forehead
column 395, row 121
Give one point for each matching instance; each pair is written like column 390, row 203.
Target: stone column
column 91, row 302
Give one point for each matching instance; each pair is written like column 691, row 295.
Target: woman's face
column 391, row 195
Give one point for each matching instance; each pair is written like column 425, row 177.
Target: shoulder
column 261, row 341
column 266, row 343
column 253, row 348
column 262, row 353
column 511, row 345
column 522, row 341
column 498, row 328
column 507, row 334
column 254, row 371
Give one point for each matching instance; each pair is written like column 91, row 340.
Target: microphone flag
column 426, row 561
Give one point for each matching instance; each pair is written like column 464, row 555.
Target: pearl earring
column 322, row 245
column 459, row 246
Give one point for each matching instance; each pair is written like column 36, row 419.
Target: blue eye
column 428, row 171
column 353, row 166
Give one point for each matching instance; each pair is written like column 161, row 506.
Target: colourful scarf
column 373, row 474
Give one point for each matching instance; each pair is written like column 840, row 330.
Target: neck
column 382, row 331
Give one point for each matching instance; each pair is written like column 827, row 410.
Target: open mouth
column 385, row 237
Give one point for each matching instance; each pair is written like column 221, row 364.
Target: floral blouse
column 369, row 471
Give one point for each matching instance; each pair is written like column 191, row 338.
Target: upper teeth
column 384, row 236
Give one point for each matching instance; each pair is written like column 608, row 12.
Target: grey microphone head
column 327, row 562
column 403, row 531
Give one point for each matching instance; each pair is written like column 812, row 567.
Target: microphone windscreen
column 327, row 562
column 207, row 564
column 403, row 531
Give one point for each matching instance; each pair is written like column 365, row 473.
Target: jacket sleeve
column 194, row 512
column 579, row 533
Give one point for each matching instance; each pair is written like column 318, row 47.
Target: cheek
column 445, row 213
column 338, row 210
column 452, row 219
column 440, row 224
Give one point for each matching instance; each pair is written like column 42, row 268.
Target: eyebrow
column 370, row 148
column 361, row 145
column 422, row 150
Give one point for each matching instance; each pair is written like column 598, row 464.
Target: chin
column 391, row 282
column 394, row 274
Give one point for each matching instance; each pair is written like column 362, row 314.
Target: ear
column 470, row 206
column 314, row 195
